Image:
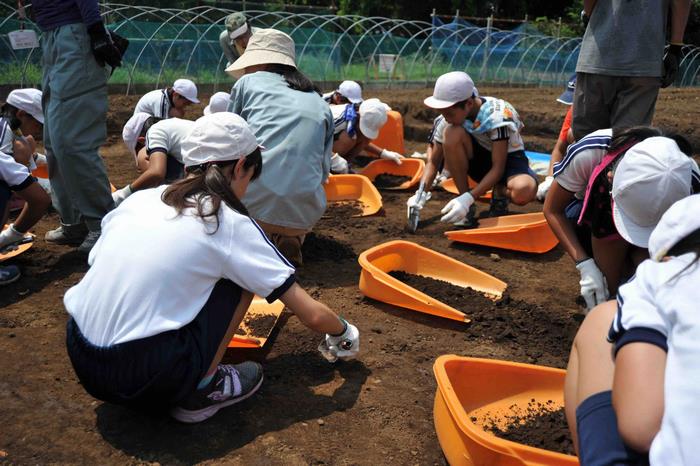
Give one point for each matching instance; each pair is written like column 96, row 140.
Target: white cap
column 217, row 103
column 351, row 91
column 266, row 46
column 219, row 137
column 372, row 117
column 451, row 88
column 679, row 221
column 236, row 33
column 28, row 100
column 132, row 130
column 652, row 175
column 186, row 89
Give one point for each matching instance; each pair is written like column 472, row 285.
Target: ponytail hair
column 295, row 78
column 635, row 134
column 207, row 187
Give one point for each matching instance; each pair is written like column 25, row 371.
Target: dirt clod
column 319, row 247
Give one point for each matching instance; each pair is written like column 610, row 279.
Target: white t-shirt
column 6, row 137
column 485, row 140
column 660, row 306
column 16, row 175
column 167, row 136
column 153, row 271
column 156, row 103
column 575, row 169
column 342, row 123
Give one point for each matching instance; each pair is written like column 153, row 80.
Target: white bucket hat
column 372, row 117
column 28, row 100
column 652, row 175
column 186, row 89
column 451, row 88
column 351, row 91
column 265, row 46
column 132, row 131
column 679, row 221
column 219, row 137
column 217, row 103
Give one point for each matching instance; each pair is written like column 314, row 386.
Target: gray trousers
column 75, row 126
column 602, row 102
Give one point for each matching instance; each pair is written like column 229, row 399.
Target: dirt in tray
column 539, row 425
column 318, row 247
column 344, row 209
column 386, row 180
column 530, row 327
column 260, row 325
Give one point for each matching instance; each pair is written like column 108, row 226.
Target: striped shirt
column 6, row 137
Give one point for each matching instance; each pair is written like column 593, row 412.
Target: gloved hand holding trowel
column 414, row 205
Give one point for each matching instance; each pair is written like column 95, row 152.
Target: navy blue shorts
column 159, row 371
column 599, row 441
column 5, row 195
column 517, row 163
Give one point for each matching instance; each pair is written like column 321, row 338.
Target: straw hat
column 266, row 46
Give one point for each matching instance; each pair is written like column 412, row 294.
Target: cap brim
column 194, row 100
column 567, row 98
column 355, row 100
column 368, row 132
column 432, row 102
column 630, row 231
column 257, row 57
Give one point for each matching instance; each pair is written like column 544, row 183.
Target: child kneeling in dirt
column 157, row 148
column 170, row 102
column 142, row 342
column 633, row 399
column 480, row 138
column 355, row 126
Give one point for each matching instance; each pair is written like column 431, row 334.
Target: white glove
column 543, row 188
column 419, row 199
column 121, row 194
column 339, row 165
column 457, row 209
column 10, row 236
column 391, row 155
column 594, row 287
column 343, row 346
column 40, row 159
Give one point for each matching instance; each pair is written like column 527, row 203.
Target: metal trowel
column 414, row 211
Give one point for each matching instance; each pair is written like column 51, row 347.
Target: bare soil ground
column 376, row 410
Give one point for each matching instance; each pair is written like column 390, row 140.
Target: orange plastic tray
column 412, row 168
column 15, row 252
column 41, row 171
column 259, row 307
column 450, row 186
column 471, row 388
column 376, row 283
column 391, row 135
column 354, row 188
column 524, row 232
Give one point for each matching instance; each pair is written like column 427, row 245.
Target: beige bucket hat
column 265, row 46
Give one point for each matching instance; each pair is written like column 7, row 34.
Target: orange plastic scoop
column 470, row 388
column 450, row 186
column 354, row 188
column 256, row 338
column 20, row 248
column 391, row 134
column 412, row 168
column 524, row 232
column 376, row 283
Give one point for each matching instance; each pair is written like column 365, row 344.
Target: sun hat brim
column 370, row 133
column 258, row 57
column 630, row 231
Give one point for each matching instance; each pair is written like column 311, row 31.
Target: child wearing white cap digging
column 286, row 112
column 349, row 92
column 157, row 149
column 217, row 103
column 21, row 121
column 156, row 343
column 355, row 128
column 169, row 102
column 637, row 171
column 633, row 399
column 480, row 138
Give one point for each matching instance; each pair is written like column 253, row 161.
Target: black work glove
column 103, row 47
column 671, row 61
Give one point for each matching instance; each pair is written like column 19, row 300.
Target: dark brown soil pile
column 318, row 248
column 343, row 209
column 538, row 425
column 260, row 326
column 532, row 329
column 386, row 180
